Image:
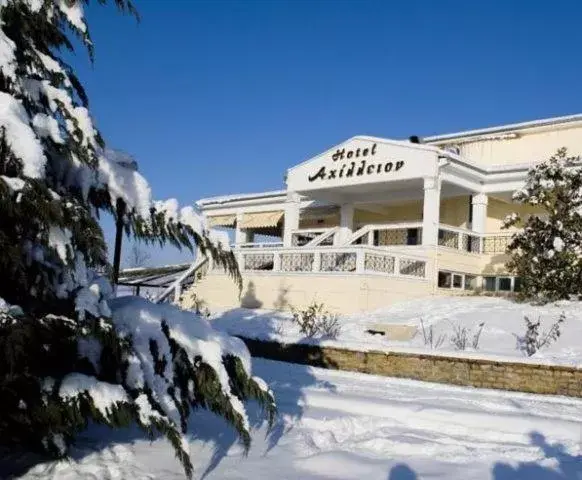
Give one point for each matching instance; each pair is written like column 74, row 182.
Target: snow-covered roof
column 504, row 128
column 239, row 196
column 160, row 277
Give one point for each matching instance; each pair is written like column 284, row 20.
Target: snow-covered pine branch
column 69, row 353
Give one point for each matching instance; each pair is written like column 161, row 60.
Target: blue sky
column 222, row 97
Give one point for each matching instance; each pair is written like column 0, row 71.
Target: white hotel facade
column 372, row 221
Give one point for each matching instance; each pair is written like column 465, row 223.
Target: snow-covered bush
column 462, row 334
column 69, row 355
column 534, row 340
column 429, row 338
column 316, row 320
column 546, row 254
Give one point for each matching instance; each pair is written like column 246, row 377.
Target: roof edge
column 239, row 197
column 505, row 128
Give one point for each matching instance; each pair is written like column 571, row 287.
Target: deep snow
column 499, row 340
column 344, row 425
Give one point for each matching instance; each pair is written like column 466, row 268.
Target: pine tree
column 546, row 253
column 69, row 353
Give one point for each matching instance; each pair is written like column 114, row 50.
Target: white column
column 291, row 221
column 479, row 212
column 240, row 235
column 431, row 211
column 346, row 224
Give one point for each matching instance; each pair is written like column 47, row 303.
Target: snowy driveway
column 355, row 426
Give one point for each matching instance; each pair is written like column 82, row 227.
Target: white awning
column 222, row 221
column 261, row 219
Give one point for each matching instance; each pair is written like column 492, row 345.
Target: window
column 470, row 282
column 444, row 280
column 489, row 284
column 457, row 281
column 505, row 284
column 376, row 237
column 517, row 284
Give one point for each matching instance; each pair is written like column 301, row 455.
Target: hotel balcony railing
column 473, row 242
column 310, row 237
column 357, row 259
column 410, row 234
column 395, row 235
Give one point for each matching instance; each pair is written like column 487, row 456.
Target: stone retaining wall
column 523, row 377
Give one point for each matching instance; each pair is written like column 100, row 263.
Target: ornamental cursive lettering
column 342, row 153
column 363, row 168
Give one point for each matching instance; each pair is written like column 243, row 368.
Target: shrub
column 533, row 340
column 316, row 320
column 545, row 253
column 461, row 335
column 429, row 337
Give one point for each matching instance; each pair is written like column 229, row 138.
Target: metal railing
column 396, row 234
column 473, row 242
column 197, row 269
column 257, row 245
column 385, row 235
column 410, row 234
column 305, row 237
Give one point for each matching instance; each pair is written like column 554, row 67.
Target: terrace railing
column 309, row 237
column 410, row 234
column 356, row 259
column 394, row 235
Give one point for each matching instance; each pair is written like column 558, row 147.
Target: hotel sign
column 356, row 163
column 363, row 161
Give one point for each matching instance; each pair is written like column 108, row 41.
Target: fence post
column 276, row 262
column 360, row 260
column 316, row 267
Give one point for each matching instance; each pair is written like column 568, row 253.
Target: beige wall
column 529, row 147
column 497, row 210
column 327, row 221
column 455, row 211
column 340, row 293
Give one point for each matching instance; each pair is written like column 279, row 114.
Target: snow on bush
column 316, row 320
column 534, row 340
column 464, row 337
column 429, row 338
column 546, row 254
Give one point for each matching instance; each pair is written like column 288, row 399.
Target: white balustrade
column 347, row 260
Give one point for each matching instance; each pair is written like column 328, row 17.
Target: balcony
column 329, row 260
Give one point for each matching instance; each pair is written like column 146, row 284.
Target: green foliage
column 52, row 253
column 316, row 320
column 546, row 253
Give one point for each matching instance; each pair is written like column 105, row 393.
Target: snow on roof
column 239, row 196
column 505, row 128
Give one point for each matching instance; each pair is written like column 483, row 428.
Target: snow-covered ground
column 500, row 339
column 344, row 425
